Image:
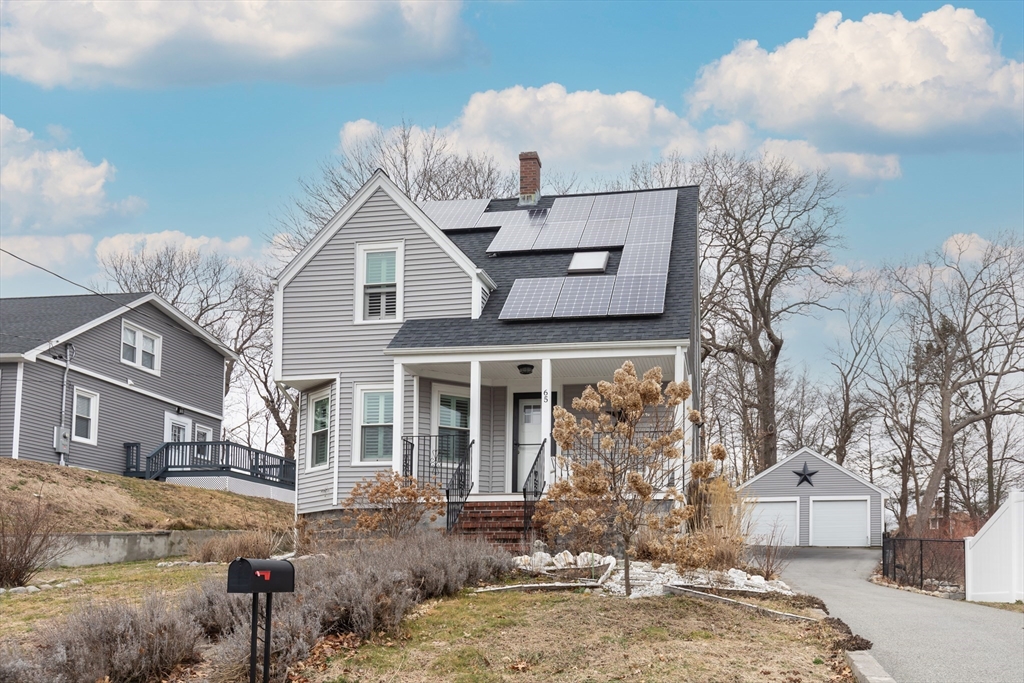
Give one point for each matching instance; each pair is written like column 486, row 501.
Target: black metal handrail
column 133, row 458
column 224, row 456
column 458, row 487
column 533, row 488
column 407, row 450
column 433, row 459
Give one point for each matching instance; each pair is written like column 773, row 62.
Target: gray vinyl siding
column 191, row 371
column 493, row 456
column 315, row 489
column 123, row 416
column 8, row 385
column 829, row 481
column 319, row 336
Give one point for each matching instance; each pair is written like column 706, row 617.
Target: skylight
column 589, row 262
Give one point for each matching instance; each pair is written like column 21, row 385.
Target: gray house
column 807, row 499
column 120, row 383
column 435, row 338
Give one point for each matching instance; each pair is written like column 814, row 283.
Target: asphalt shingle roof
column 27, row 322
column 674, row 323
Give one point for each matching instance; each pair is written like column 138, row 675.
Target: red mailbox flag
column 265, row 575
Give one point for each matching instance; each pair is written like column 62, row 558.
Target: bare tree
column 969, row 308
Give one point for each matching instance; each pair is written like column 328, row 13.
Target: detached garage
column 807, row 499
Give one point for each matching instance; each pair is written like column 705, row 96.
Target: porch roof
column 674, row 324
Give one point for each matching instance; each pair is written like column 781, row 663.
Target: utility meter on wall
column 61, row 439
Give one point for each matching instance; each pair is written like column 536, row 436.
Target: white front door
column 527, row 437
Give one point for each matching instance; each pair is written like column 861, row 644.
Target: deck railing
column 210, row 456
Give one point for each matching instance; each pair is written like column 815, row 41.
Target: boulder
column 540, row 560
column 2, row 591
column 540, row 546
column 76, row 582
column 19, row 590
column 522, row 562
column 45, row 587
column 31, row 589
column 756, row 580
column 160, row 565
column 586, row 559
column 738, row 576
column 563, row 559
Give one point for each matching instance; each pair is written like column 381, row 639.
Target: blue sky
column 112, row 134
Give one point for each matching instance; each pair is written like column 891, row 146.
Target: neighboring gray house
column 435, row 338
column 138, row 378
column 807, row 499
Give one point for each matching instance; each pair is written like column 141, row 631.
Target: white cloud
column 48, row 251
column 883, row 74
column 153, row 241
column 45, row 188
column 594, row 132
column 148, row 44
column 966, row 246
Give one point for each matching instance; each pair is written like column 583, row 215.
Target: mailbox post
column 260, row 576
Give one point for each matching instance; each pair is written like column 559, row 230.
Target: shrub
column 31, row 537
column 260, row 543
column 16, row 667
column 119, row 643
column 718, row 524
column 393, row 504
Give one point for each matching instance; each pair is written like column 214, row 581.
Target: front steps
column 499, row 523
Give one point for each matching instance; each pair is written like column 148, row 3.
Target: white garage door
column 780, row 515
column 839, row 522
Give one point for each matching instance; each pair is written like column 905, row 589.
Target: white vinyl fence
column 994, row 557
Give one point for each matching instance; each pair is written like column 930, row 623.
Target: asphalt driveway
column 917, row 638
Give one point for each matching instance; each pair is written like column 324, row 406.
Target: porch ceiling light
column 525, row 369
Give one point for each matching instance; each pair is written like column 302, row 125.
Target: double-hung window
column 379, row 282
column 320, row 429
column 376, row 428
column 452, row 426
column 140, row 347
column 86, row 415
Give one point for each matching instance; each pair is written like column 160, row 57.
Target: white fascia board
column 277, row 339
column 822, row 458
column 154, row 299
column 380, row 181
column 454, row 354
column 15, row 358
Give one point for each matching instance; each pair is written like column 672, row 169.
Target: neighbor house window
column 319, row 432
column 452, row 426
column 377, row 409
column 86, row 413
column 140, row 347
column 379, row 273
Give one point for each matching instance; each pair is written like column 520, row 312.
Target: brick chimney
column 529, row 178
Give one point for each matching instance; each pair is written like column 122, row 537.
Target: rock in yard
column 76, row 582
column 522, row 562
column 738, row 576
column 540, row 560
column 586, row 559
column 757, row 581
column 564, row 559
column 61, row 585
column 31, row 589
column 2, row 591
column 19, row 590
column 540, row 546
column 163, row 564
column 45, row 587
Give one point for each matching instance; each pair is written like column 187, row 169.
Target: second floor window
column 380, row 289
column 140, row 348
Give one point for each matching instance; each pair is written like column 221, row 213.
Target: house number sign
column 545, row 396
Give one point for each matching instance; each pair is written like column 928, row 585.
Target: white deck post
column 545, row 414
column 474, row 423
column 398, row 417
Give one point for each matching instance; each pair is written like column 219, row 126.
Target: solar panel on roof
column 605, row 233
column 456, row 213
column 638, row 295
column 650, row 229
column 571, row 209
column 559, row 235
column 609, row 206
column 585, row 296
column 532, row 298
column 645, row 258
column 655, row 203
column 519, row 229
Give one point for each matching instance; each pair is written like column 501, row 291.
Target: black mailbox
column 261, row 576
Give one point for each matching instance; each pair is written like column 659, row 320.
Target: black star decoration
column 805, row 475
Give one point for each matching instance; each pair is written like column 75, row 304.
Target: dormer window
column 379, row 282
column 140, row 347
column 588, row 262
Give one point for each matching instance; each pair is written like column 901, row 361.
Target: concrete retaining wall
column 132, row 546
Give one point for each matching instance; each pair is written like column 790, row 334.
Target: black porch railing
column 210, row 456
column 533, row 489
column 927, row 563
column 443, row 460
column 640, row 440
column 458, row 488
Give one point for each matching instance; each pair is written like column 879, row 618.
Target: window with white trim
column 319, row 430
column 140, row 347
column 376, row 424
column 452, row 426
column 379, row 282
column 86, row 415
column 203, row 434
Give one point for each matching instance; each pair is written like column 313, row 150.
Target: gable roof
column 823, row 459
column 675, row 323
column 380, row 181
column 32, row 325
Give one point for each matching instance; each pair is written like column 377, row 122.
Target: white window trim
column 94, row 415
column 311, row 399
column 364, row 248
column 196, row 428
column 435, row 403
column 170, row 417
column 158, row 347
column 357, row 424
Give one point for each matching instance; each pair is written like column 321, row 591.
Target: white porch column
column 679, row 375
column 474, row 423
column 545, row 414
column 398, row 417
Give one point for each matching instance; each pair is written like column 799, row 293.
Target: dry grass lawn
column 1008, row 606
column 95, row 501
column 525, row 637
column 20, row 615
